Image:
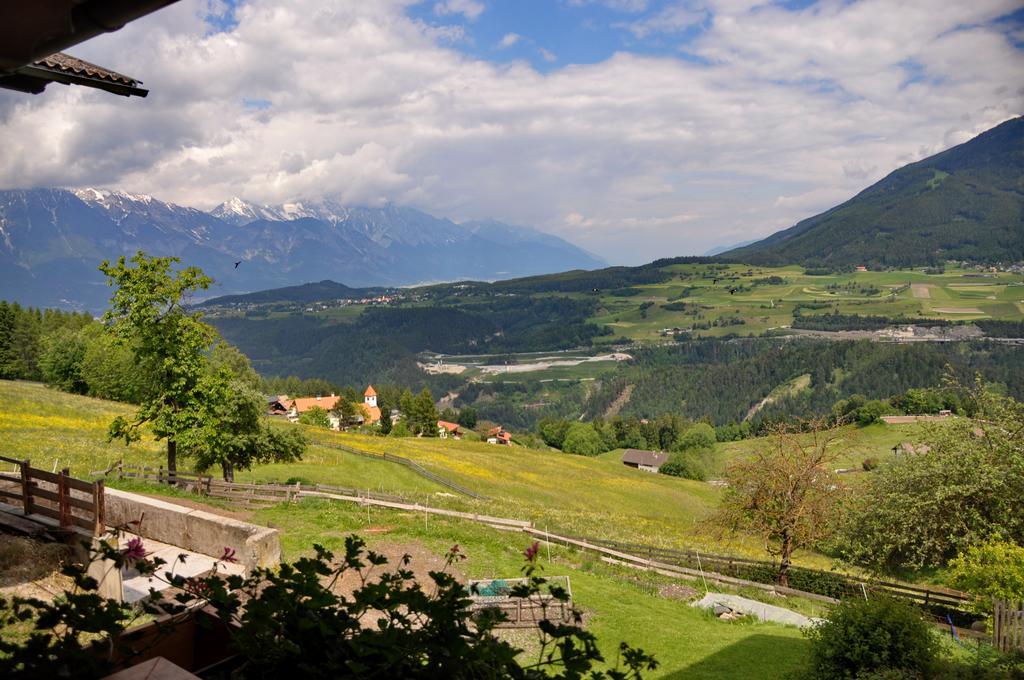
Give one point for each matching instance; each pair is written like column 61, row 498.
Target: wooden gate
column 1008, row 634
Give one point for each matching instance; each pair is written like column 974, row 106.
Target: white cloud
column 547, row 55
column 471, row 9
column 654, row 155
column 670, row 19
column 618, row 5
column 508, row 40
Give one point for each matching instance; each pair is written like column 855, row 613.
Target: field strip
column 957, row 310
column 921, row 290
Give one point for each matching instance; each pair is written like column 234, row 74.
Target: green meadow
column 571, row 494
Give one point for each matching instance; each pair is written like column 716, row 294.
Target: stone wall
column 195, row 530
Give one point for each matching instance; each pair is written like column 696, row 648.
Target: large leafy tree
column 202, row 396
column 147, row 310
column 924, row 509
column 785, row 493
column 422, row 414
column 232, row 431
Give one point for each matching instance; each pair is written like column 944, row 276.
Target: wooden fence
column 806, row 582
column 826, row 583
column 73, row 503
column 250, row 494
column 1008, row 632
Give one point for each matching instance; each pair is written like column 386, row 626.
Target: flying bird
column 238, row 263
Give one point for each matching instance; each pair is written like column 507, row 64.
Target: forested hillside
column 721, row 381
column 966, row 203
column 381, row 343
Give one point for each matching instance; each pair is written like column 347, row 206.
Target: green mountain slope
column 966, row 203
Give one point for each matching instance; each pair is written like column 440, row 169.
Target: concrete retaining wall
column 195, row 530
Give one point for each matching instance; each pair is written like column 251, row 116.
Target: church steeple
column 370, row 397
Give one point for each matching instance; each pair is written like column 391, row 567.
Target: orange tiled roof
column 371, row 413
column 303, row 405
column 370, row 392
column 451, row 427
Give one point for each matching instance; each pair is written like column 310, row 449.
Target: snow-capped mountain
column 52, row 240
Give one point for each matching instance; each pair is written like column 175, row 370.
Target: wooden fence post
column 97, row 508
column 63, row 492
column 26, row 487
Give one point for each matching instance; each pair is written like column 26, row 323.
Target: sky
column 636, row 129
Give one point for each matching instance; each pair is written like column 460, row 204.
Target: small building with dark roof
column 648, row 461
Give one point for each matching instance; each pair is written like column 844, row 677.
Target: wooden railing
column 73, row 503
column 832, row 584
column 252, row 494
column 804, row 581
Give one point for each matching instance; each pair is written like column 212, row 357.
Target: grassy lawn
column 597, row 497
column 852, row 445
column 619, row 604
column 571, row 494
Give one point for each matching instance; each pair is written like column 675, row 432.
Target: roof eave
column 47, row 75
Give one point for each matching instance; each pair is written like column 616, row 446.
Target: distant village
column 367, row 413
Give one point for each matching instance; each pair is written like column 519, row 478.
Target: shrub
column 871, row 412
column 687, row 465
column 315, row 416
column 289, row 621
column 879, row 638
column 582, row 439
column 994, row 569
column 700, row 436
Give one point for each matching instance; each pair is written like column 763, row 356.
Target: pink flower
column 134, row 550
column 531, row 552
column 229, row 555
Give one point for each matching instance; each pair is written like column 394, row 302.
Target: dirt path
column 921, row 290
column 243, row 515
column 620, row 401
column 957, row 310
column 798, row 384
column 542, row 365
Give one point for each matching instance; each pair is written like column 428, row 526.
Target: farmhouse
column 498, row 435
column 648, row 461
column 446, row 429
column 277, row 405
column 367, row 413
column 302, row 405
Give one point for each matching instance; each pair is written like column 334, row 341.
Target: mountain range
column 965, row 203
column 52, row 240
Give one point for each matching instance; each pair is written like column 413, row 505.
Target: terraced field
column 748, row 300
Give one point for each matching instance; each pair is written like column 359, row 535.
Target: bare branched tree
column 786, row 492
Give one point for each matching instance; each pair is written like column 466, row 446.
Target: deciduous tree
column 147, row 310
column 924, row 509
column 232, row 429
column 785, row 493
